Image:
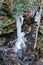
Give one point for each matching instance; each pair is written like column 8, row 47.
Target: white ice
column 20, row 43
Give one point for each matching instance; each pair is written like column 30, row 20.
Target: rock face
column 7, row 55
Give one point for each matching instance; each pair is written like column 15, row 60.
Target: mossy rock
column 4, row 24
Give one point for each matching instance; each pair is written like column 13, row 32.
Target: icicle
column 20, row 43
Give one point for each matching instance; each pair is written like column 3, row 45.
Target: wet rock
column 20, row 53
